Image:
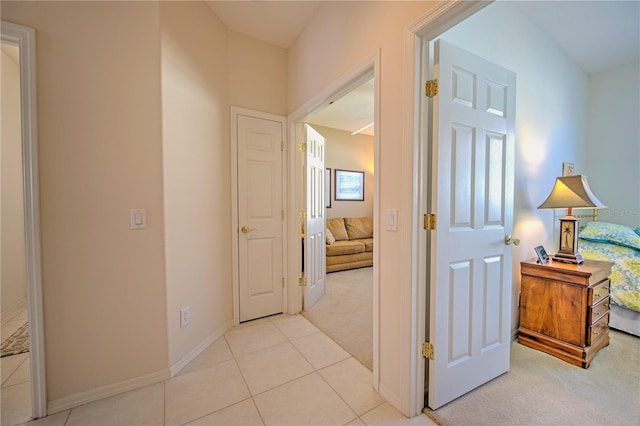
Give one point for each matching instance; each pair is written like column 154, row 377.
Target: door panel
column 470, row 292
column 315, row 246
column 260, row 237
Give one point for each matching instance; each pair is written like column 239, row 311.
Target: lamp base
column 574, row 258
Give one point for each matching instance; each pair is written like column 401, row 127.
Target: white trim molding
column 369, row 68
column 96, row 394
column 444, row 16
column 25, row 39
column 185, row 360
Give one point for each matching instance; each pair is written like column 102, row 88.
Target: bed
column 621, row 245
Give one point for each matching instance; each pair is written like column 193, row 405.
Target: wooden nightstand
column 564, row 309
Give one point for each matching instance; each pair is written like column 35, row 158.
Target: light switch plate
column 138, row 218
column 392, row 220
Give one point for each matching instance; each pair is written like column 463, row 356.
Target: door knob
column 509, row 240
column 246, row 229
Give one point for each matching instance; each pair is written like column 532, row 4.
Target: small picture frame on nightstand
column 543, row 257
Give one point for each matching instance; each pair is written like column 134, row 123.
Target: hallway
column 276, row 371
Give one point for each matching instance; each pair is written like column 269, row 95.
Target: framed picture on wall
column 327, row 188
column 349, row 185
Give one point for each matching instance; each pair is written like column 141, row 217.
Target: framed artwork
column 327, row 188
column 349, row 185
column 567, row 169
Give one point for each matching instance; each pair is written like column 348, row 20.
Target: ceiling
column 596, row 35
column 276, row 22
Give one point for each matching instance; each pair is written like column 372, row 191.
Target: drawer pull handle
column 597, row 313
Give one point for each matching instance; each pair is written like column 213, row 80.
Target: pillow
column 603, row 232
column 336, row 226
column 329, row 236
column 637, row 230
column 357, row 228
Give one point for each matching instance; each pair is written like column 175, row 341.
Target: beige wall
column 12, row 262
column 346, row 152
column 196, row 173
column 551, row 128
column 133, row 104
column 338, row 40
column 257, row 76
column 100, row 153
column 205, row 69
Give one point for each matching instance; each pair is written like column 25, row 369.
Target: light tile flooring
column 16, row 378
column 275, row 371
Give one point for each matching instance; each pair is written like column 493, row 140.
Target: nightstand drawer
column 598, row 292
column 598, row 310
column 598, row 330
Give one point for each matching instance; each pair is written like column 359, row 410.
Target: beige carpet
column 345, row 312
column 540, row 389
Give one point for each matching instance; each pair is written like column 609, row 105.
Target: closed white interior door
column 260, row 217
column 315, row 265
column 471, row 277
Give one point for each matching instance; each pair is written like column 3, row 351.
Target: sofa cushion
column 359, row 227
column 329, row 236
column 368, row 244
column 337, row 228
column 340, row 248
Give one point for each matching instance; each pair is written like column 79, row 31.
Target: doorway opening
column 19, row 46
column 342, row 155
column 347, row 128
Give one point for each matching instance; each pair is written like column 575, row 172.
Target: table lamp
column 570, row 192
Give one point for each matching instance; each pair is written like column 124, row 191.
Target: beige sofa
column 349, row 243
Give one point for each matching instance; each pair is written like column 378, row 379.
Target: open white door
column 471, row 281
column 314, row 239
column 260, row 217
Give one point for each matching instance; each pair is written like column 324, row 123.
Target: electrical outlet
column 185, row 316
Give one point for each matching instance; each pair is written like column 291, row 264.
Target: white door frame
column 441, row 18
column 368, row 69
column 25, row 39
column 235, row 112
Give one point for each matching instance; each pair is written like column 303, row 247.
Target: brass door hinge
column 281, row 145
column 302, row 215
column 302, row 281
column 430, row 221
column 427, row 350
column 282, row 214
column 282, row 282
column 302, row 146
column 432, row 88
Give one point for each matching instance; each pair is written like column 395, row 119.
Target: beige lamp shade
column 571, row 192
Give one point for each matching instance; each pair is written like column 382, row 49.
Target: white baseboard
column 175, row 368
column 78, row 399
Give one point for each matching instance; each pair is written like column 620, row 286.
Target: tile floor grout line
column 283, row 384
column 226, row 406
column 164, row 401
column 338, row 393
column 257, row 350
column 68, row 417
column 253, row 401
